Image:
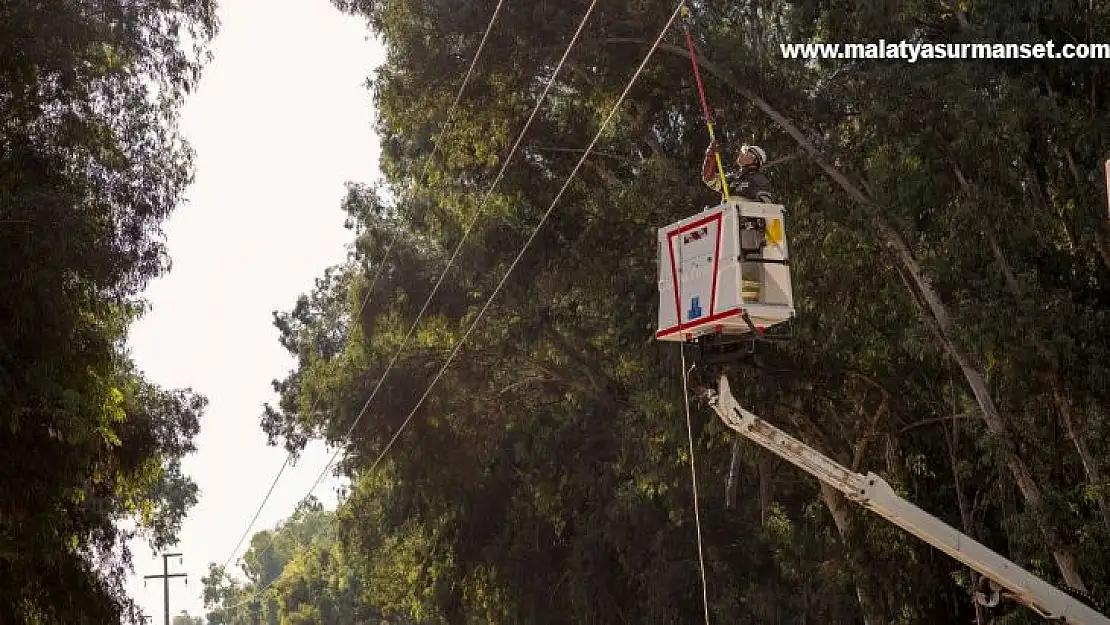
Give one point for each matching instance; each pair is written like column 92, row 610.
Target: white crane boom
column 875, row 494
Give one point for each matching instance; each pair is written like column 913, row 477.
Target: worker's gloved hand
column 708, row 171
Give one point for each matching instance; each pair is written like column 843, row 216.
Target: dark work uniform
column 748, row 183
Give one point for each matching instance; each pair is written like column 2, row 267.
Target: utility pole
column 165, row 577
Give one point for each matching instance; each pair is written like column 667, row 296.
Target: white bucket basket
column 721, row 265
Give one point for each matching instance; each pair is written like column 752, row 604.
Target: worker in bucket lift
column 748, row 182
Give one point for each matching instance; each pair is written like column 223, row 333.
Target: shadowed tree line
column 91, row 165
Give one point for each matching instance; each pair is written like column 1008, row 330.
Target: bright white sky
column 281, row 120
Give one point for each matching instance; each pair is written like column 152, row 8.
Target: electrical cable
column 381, row 263
column 512, row 266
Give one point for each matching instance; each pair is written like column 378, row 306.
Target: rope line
column 257, row 512
column 694, row 481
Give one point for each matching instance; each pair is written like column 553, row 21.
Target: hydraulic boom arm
column 872, row 492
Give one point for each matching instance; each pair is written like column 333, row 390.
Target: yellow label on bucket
column 774, row 232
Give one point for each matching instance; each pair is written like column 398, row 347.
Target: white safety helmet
column 755, row 150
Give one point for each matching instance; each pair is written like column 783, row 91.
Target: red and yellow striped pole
column 701, row 94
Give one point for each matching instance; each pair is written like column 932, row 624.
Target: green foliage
column 90, row 166
column 308, row 578
column 545, row 479
column 185, row 619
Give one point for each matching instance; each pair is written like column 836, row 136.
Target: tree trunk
column 1102, row 239
column 1090, row 463
column 733, row 474
column 765, row 465
column 952, row 440
column 1030, row 490
column 861, row 445
column 869, row 600
column 1052, row 373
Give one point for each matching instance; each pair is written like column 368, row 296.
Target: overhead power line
column 466, row 234
column 512, row 266
column 532, row 237
column 381, row 263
